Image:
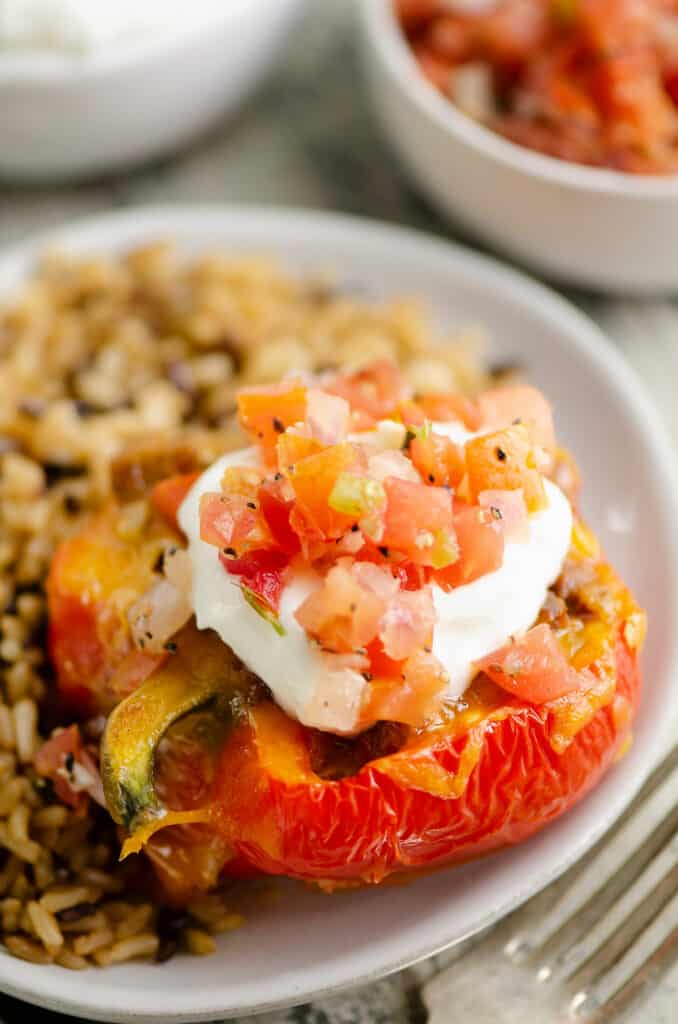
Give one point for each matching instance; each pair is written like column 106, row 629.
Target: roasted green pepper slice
column 200, row 671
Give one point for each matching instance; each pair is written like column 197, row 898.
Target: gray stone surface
column 307, row 139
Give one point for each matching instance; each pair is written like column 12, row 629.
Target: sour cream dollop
column 473, row 620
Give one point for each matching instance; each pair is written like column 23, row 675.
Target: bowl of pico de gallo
column 547, row 129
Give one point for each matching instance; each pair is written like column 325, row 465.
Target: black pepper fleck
column 278, row 425
column 71, row 505
column 501, row 454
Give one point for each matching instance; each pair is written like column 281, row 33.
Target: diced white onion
column 472, row 89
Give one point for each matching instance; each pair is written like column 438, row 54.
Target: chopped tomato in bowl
column 587, row 81
column 406, row 646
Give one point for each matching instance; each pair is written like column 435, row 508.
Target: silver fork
column 587, row 948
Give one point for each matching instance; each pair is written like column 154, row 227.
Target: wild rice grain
column 199, row 943
column 227, row 923
column 17, row 823
column 11, row 794
column 66, row 958
column 6, row 728
column 86, row 944
column 54, row 816
column 10, row 872
column 24, row 849
column 88, row 923
column 145, row 945
column 64, row 897
column 10, row 912
column 45, row 926
column 25, row 714
column 134, row 922
column 25, row 949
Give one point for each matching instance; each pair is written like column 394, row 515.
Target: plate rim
column 134, row 224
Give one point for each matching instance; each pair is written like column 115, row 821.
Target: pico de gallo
column 378, row 639
column 590, row 81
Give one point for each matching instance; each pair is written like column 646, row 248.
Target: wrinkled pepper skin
column 395, row 815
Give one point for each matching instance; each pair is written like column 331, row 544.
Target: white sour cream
column 473, row 620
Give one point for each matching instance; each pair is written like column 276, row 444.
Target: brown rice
column 95, row 354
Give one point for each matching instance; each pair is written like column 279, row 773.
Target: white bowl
column 587, row 226
column 65, row 116
column 308, row 943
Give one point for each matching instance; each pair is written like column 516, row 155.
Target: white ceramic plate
column 308, row 944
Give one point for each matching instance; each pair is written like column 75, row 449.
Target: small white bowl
column 308, row 944
column 69, row 115
column 587, row 226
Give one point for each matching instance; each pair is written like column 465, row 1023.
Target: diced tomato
column 502, row 407
column 408, row 575
column 588, row 81
column 407, row 624
column 381, row 666
column 262, row 572
column 411, row 12
column 313, row 480
column 410, row 413
column 168, row 495
column 342, row 614
column 451, row 37
column 439, row 460
column 418, row 522
column 265, row 413
column 375, row 390
column 534, row 668
column 276, row 511
column 433, row 66
column 73, row 771
column 613, row 26
column 229, row 521
column 509, row 33
column 447, row 407
column 505, row 461
column 481, row 547
column 414, row 697
column 377, row 579
column 508, row 508
column 292, row 447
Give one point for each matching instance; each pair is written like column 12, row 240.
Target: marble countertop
column 307, row 139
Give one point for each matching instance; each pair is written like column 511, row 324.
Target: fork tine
column 661, row 932
column 628, row 840
column 567, row 961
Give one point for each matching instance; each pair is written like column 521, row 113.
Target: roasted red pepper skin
column 282, row 819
